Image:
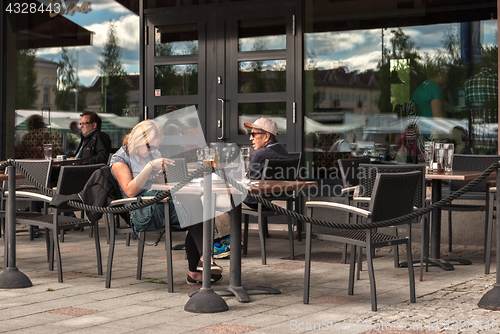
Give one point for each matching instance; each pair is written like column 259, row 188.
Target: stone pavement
column 446, row 301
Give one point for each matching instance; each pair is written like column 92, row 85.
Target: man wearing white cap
column 263, row 137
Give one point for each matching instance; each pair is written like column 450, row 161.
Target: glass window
column 262, row 76
column 176, row 80
column 382, row 93
column 250, row 112
column 88, row 61
column 176, row 40
column 262, row 34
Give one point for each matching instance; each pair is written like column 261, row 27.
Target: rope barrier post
column 12, row 278
column 491, row 299
column 206, row 300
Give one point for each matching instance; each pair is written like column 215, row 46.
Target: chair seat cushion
column 358, row 237
column 63, row 223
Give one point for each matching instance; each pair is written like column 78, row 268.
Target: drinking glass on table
column 439, row 153
column 245, row 163
column 216, row 148
column 208, row 156
column 199, row 155
column 47, row 151
column 429, row 155
column 448, row 157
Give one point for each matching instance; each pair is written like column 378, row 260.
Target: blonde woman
column 134, row 166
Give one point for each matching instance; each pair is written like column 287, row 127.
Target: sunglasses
column 252, row 134
column 85, row 123
column 152, row 148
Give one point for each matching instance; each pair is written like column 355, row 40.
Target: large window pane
column 262, row 34
column 90, row 64
column 262, row 76
column 250, row 112
column 175, row 40
column 176, row 80
column 360, row 84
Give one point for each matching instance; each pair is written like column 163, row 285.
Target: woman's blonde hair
column 142, row 133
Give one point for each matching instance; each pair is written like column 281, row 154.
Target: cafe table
column 437, row 184
column 255, row 187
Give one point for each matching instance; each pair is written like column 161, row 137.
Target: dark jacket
column 257, row 161
column 97, row 147
column 259, row 156
column 100, row 190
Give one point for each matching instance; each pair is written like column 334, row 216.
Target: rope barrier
column 221, row 173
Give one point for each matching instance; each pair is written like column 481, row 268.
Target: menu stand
column 12, row 278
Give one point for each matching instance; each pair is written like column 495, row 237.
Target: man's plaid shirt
column 482, row 87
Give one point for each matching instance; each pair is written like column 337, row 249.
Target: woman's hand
column 161, row 163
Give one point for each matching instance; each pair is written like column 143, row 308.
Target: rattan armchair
column 385, row 203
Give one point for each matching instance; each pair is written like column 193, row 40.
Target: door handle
column 222, row 118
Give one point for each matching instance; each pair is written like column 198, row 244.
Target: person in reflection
column 428, row 97
column 95, row 144
column 74, row 136
column 134, row 166
column 31, row 145
column 408, row 150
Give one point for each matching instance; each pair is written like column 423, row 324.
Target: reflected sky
column 361, row 49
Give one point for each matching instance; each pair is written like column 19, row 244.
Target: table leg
column 435, row 257
column 235, row 287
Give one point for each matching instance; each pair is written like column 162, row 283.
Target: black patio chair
column 476, row 163
column 273, row 170
column 72, row 180
column 176, row 173
column 385, row 203
column 349, row 170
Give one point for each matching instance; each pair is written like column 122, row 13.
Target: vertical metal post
column 491, row 299
column 206, row 300
column 12, row 278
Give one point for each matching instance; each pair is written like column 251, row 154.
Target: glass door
column 225, row 68
column 257, row 61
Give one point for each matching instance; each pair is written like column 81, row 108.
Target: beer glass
column 47, row 151
column 208, row 156
column 429, row 155
column 448, row 157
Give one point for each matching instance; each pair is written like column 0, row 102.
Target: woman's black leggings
column 194, row 245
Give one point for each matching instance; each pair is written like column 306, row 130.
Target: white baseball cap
column 265, row 124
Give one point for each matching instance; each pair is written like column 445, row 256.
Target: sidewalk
column 83, row 305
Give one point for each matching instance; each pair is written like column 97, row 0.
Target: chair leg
column 290, row 231
column 262, row 236
column 47, row 243
column 424, row 250
column 352, row 268
column 140, row 254
column 245, row 234
column 371, row 275
column 106, row 223
column 343, row 259
column 450, row 240
column 168, row 249
column 97, row 248
column 409, row 259
column 111, row 251
column 396, row 250
column 57, row 255
column 360, row 263
column 307, row 264
column 489, row 232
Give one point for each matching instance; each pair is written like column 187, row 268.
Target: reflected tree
column 27, row 91
column 114, row 85
column 68, row 83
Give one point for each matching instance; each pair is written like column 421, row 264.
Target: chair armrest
column 362, row 199
column 339, row 206
column 132, row 200
column 349, row 189
column 34, row 196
